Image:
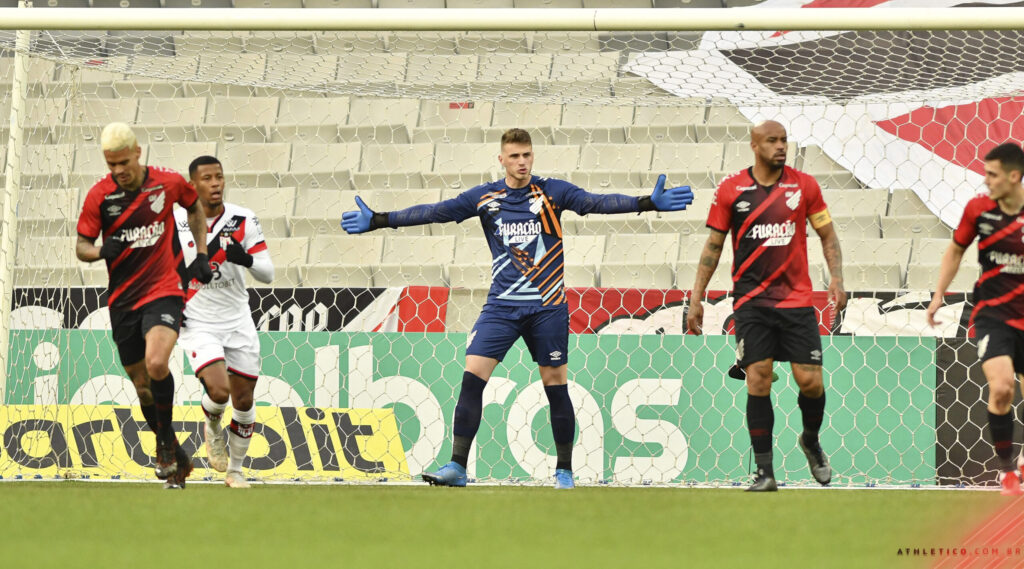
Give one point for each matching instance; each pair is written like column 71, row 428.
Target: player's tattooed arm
column 834, row 259
column 709, row 257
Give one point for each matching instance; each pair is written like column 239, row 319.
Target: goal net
column 363, row 337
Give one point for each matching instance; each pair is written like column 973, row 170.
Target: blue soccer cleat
column 563, row 479
column 451, row 474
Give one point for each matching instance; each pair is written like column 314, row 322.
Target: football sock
column 149, row 412
column 163, row 397
column 213, row 411
column 813, row 414
column 239, row 435
column 761, row 423
column 563, row 423
column 1001, row 429
column 468, row 411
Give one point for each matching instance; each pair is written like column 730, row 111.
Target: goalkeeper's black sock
column 163, row 397
column 149, row 412
column 563, row 423
column 1001, row 429
column 761, row 423
column 813, row 414
column 468, row 411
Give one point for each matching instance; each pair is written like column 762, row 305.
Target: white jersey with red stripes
column 224, row 301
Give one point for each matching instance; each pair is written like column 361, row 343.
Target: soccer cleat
column 234, row 479
column 563, row 479
column 183, row 468
column 451, row 474
column 763, row 483
column 216, row 451
column 1010, row 483
column 816, row 459
column 166, row 463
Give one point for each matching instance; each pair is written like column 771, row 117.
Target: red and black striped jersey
column 999, row 291
column 148, row 266
column 769, row 236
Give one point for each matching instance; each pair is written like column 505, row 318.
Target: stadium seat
column 915, row 226
column 323, row 165
column 289, row 252
column 310, row 120
column 584, row 135
column 289, row 69
column 856, row 202
column 48, row 277
column 346, row 249
column 604, row 224
column 197, row 4
column 46, row 251
column 337, row 4
column 452, row 158
column 410, row 3
column 455, row 113
column 337, row 275
column 463, row 308
column 89, row 159
column 449, row 134
column 187, row 112
column 583, row 255
column 45, row 112
column 378, row 111
column 469, row 275
column 877, row 251
column 486, row 43
column 924, row 276
column 42, row 165
column 906, row 202
column 178, row 156
column 387, row 158
column 314, row 201
column 268, row 4
column 683, row 163
column 393, row 200
column 265, row 161
column 550, row 159
column 194, row 43
column 300, row 45
column 632, row 275
column 239, row 119
column 616, row 4
column 721, row 280
column 526, row 115
column 725, row 123
column 525, row 67
column 855, row 227
column 372, row 68
column 873, row 276
column 738, row 155
column 432, row 68
column 181, row 68
column 561, row 42
column 264, row 202
column 89, row 111
column 457, row 180
column 415, row 260
column 94, row 274
column 346, row 43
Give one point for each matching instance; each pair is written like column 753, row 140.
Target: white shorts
column 237, row 347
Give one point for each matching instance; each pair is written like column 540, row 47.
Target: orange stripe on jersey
column 1013, row 226
column 548, row 215
column 555, row 299
column 549, row 257
column 488, row 197
column 553, row 283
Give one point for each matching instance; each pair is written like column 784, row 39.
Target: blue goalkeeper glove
column 363, row 220
column 672, row 199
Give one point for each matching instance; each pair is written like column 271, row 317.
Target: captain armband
column 820, row 219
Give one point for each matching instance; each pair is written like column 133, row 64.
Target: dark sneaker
column 736, row 372
column 183, row 463
column 166, row 463
column 816, row 459
column 451, row 474
column 763, row 483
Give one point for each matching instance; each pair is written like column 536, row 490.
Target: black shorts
column 998, row 339
column 129, row 327
column 782, row 334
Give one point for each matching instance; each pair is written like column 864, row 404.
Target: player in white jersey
column 218, row 334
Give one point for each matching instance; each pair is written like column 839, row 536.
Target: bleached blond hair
column 117, row 136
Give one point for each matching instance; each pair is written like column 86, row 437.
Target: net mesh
column 363, row 337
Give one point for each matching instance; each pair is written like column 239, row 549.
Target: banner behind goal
column 363, row 337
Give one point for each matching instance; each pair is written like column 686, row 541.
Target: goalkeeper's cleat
column 736, row 372
column 451, row 474
column 234, row 479
column 816, row 459
column 184, row 467
column 563, row 479
column 216, row 450
column 763, row 483
column 166, row 463
column 1010, row 483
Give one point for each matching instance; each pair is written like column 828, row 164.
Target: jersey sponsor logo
column 1012, row 264
column 775, row 234
column 784, row 186
column 114, row 196
column 153, row 188
column 519, row 232
column 183, row 225
column 144, row 236
column 157, row 202
column 793, row 199
column 992, row 216
column 743, row 207
column 746, row 188
column 985, row 229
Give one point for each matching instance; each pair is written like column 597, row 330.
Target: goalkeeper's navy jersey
column 523, row 230
column 999, row 292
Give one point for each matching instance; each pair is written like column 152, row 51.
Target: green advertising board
column 652, row 408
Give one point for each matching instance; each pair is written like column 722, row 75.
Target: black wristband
column 379, row 220
column 646, row 204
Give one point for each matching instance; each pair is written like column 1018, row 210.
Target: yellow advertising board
column 288, row 443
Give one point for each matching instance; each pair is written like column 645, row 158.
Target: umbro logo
column 556, row 355
column 168, row 318
column 816, row 355
column 743, row 207
column 985, row 229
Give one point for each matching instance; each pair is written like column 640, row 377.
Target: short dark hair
column 202, row 161
column 1010, row 155
column 516, row 136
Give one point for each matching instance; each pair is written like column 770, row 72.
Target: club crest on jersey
column 536, row 205
column 793, row 199
column 157, row 201
column 743, row 207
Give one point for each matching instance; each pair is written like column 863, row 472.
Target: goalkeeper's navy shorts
column 996, row 339
column 544, row 329
column 781, row 334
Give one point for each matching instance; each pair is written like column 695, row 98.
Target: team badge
column 157, row 201
column 793, row 199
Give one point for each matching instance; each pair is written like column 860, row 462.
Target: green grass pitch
column 90, row 524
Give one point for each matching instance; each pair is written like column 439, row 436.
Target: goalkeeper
column 520, row 215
